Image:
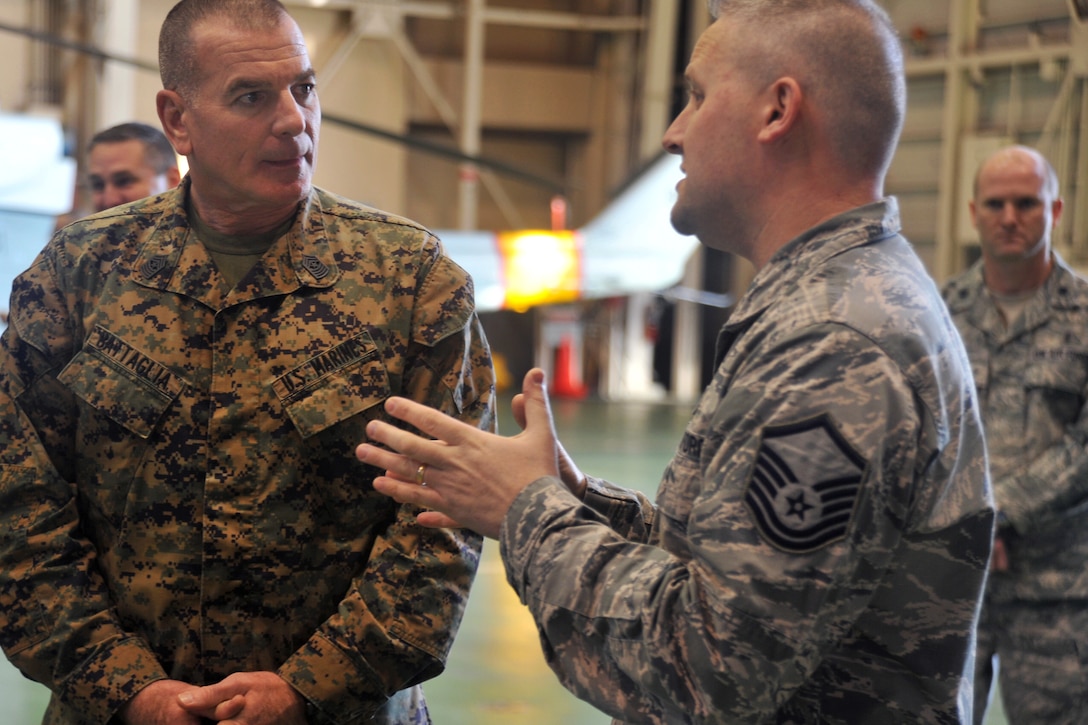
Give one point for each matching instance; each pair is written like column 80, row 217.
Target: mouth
column 293, row 162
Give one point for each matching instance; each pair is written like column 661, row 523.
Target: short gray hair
column 178, row 66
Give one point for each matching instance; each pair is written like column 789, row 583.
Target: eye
column 303, row 91
column 693, row 97
column 1027, row 204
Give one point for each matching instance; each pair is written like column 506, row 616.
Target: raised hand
column 464, row 475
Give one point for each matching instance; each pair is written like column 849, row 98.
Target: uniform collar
column 173, row 258
column 813, row 248
column 969, row 297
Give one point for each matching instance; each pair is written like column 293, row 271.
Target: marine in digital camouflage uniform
column 179, row 502
column 817, row 550
column 1029, row 356
column 178, row 492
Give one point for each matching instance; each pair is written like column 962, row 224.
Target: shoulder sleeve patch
column 805, row 482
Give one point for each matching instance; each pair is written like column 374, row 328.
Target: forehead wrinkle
column 230, row 48
column 247, row 53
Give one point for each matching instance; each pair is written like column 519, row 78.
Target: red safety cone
column 567, row 382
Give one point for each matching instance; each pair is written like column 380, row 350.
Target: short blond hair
column 847, row 56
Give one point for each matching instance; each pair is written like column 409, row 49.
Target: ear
column 172, row 110
column 783, row 109
column 1056, row 207
column 974, row 213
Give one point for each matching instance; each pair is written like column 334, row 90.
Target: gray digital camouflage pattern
column 178, row 492
column 1033, row 388
column 819, row 542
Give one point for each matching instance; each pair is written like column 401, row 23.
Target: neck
column 241, row 220
column 1017, row 276
column 792, row 217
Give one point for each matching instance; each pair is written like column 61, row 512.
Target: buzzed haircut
column 158, row 153
column 177, row 56
column 846, row 55
column 1051, row 185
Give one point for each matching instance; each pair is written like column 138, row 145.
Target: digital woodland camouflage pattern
column 178, row 489
column 1032, row 383
column 820, row 538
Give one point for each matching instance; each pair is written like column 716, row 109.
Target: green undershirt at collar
column 234, row 255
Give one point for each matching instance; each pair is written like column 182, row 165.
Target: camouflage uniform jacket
column 819, row 542
column 1032, row 383
column 178, row 492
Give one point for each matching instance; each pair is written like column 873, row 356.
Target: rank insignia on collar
column 153, row 266
column 805, row 481
column 315, row 266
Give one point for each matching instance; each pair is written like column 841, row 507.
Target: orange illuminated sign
column 540, row 267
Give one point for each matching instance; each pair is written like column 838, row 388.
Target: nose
column 109, row 197
column 673, row 140
column 1009, row 213
column 290, row 116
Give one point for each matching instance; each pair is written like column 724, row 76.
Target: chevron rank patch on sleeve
column 804, row 484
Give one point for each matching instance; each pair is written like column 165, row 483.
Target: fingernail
column 186, row 698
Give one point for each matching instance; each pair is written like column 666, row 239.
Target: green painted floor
column 496, row 673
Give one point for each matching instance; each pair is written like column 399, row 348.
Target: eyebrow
column 1020, row 200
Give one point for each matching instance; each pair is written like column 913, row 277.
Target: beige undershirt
column 1011, row 307
column 235, row 255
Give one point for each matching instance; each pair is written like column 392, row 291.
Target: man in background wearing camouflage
column 1023, row 315
column 819, row 542
column 127, row 162
column 185, row 534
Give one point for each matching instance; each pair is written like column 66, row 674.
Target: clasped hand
column 244, row 698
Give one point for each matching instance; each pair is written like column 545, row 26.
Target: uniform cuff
column 527, row 521
column 331, row 682
column 111, row 678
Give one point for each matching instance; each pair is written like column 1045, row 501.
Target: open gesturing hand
column 471, row 476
